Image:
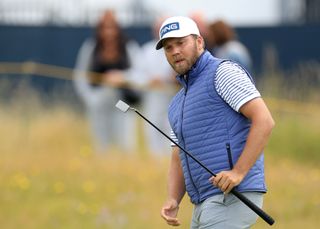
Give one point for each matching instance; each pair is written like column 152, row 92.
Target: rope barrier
column 64, row 73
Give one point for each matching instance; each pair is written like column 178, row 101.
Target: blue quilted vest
column 211, row 131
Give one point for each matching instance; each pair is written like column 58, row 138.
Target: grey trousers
column 225, row 212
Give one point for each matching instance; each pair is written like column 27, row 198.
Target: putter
column 268, row 219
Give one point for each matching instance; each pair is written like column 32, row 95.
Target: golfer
column 220, row 118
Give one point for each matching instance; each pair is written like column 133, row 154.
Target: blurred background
column 56, row 172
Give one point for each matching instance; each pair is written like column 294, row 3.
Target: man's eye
column 167, row 48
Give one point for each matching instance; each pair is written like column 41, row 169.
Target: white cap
column 177, row 26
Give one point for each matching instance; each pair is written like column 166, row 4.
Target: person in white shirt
column 160, row 83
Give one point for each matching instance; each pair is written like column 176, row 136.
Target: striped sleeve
column 234, row 85
column 174, row 138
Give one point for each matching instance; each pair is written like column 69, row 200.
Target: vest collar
column 195, row 69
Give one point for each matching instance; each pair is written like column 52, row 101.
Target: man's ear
column 200, row 42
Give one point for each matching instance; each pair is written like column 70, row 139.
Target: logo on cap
column 168, row 28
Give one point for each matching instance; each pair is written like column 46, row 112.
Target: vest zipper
column 185, row 155
column 186, row 87
column 229, row 155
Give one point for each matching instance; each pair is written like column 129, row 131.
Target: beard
column 182, row 65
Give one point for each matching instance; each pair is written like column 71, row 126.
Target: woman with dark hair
column 105, row 65
column 223, row 39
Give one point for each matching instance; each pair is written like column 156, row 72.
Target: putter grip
column 253, row 207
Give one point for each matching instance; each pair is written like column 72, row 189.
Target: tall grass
column 51, row 178
column 297, row 131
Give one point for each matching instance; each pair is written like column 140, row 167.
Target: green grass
column 51, row 178
column 297, row 131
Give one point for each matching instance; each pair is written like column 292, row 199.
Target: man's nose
column 175, row 50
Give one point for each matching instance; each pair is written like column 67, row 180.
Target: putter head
column 122, row 106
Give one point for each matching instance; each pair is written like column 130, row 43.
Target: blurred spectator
column 203, row 25
column 226, row 45
column 104, row 66
column 160, row 81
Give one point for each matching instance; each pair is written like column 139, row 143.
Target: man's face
column 183, row 52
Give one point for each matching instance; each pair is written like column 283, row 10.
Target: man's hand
column 226, row 180
column 114, row 78
column 170, row 211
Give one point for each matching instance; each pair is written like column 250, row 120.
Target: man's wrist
column 240, row 171
column 174, row 201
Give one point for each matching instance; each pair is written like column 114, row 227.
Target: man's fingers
column 215, row 180
column 173, row 221
column 228, row 189
column 226, row 180
column 222, row 182
column 168, row 213
column 224, row 186
column 164, row 214
column 170, row 220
